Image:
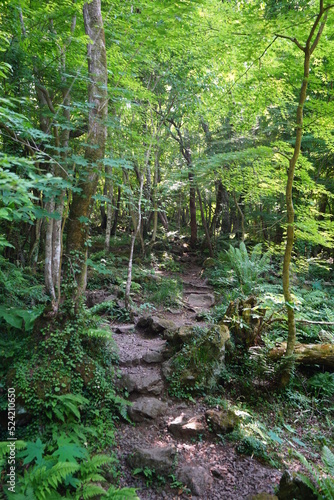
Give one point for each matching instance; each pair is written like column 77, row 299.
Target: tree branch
column 292, row 39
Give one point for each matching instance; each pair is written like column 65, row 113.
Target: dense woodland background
column 131, row 130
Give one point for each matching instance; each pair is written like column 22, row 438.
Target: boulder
column 147, row 408
column 155, row 325
column 178, row 337
column 160, row 459
column 201, row 300
column 198, row 364
column 143, row 381
column 197, row 479
column 223, row 421
column 184, row 427
column 293, row 488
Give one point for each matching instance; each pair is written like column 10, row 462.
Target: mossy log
column 307, row 354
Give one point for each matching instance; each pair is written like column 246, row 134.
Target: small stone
column 223, row 421
column 146, row 408
column 159, row 459
column 197, row 479
column 184, row 427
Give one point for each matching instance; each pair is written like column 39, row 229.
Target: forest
column 166, row 249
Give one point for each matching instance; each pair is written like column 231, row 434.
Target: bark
column 48, row 279
column 218, row 209
column 307, row 354
column 242, row 217
column 308, row 50
column 192, row 209
column 114, row 226
column 80, row 209
column 205, row 226
column 109, row 194
column 133, row 240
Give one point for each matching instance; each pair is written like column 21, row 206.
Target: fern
column 247, row 268
column 124, row 493
column 44, row 480
column 324, row 479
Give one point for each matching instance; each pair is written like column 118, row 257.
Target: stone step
column 142, row 380
column 135, row 350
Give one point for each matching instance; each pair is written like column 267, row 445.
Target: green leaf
column 34, row 451
column 68, row 451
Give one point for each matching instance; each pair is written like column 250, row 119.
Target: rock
column 223, row 421
column 178, row 337
column 197, row 479
column 201, row 300
column 146, row 408
column 143, row 322
column 199, row 363
column 160, row 459
column 142, row 381
column 124, row 329
column 94, row 297
column 184, row 427
column 292, row 488
column 209, row 263
column 154, row 355
column 159, row 325
column 262, row 496
column 155, row 325
column 167, row 368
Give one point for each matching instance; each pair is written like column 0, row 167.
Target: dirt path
column 209, row 467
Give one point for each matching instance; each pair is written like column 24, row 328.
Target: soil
column 234, row 477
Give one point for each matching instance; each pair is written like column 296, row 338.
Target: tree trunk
column 206, row 230
column 109, row 195
column 308, row 50
column 307, row 354
column 80, row 210
column 114, row 226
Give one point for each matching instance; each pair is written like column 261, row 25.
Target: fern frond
column 125, row 493
column 91, row 490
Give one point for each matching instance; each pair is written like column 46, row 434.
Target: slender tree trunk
column 205, row 226
column 291, row 341
column 114, row 226
column 242, row 217
column 133, row 240
column 80, row 210
column 218, row 209
column 109, row 195
column 192, row 209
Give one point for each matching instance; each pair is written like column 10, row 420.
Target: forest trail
column 171, row 435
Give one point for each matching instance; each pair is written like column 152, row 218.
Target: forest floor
column 210, row 465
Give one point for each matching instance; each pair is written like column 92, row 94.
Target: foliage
column 248, row 268
column 195, row 368
column 168, row 292
column 323, row 477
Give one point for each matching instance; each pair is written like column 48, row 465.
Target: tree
column 80, row 208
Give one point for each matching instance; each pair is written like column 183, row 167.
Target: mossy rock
column 199, row 362
column 209, row 263
column 223, row 421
